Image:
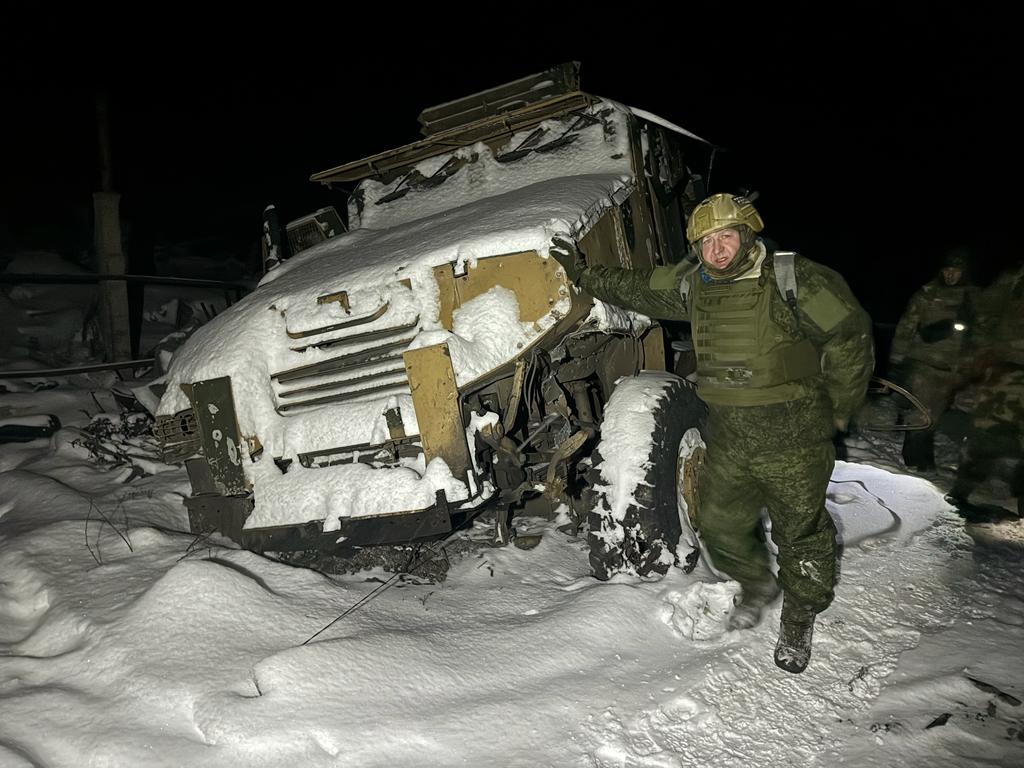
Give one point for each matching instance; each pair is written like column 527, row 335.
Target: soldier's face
column 952, row 275
column 718, row 249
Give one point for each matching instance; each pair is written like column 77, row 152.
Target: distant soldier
column 930, row 349
column 996, row 434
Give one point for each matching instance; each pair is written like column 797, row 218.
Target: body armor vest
column 744, row 356
column 944, row 305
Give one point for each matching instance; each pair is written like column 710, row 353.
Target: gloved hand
column 569, row 256
column 938, row 331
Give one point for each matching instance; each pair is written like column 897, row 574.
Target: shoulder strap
column 684, row 286
column 785, row 277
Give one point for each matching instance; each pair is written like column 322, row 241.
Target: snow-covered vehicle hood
column 249, row 342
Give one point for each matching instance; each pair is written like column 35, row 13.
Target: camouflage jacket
column 996, row 395
column 1001, row 318
column 828, row 313
column 926, row 331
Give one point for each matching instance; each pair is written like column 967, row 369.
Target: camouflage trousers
column 935, row 388
column 996, row 435
column 778, row 457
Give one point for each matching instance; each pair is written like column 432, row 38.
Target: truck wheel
column 638, row 475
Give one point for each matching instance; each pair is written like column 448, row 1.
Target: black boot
column 976, row 514
column 751, row 602
column 959, row 493
column 919, row 450
column 793, row 650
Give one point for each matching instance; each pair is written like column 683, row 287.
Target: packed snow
column 125, row 640
column 348, row 490
column 626, row 438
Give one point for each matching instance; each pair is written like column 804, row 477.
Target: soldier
column 784, row 354
column 997, row 426
column 929, row 350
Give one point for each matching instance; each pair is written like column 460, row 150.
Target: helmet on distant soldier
column 957, row 257
column 722, row 211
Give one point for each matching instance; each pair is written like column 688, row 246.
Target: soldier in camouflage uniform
column 997, row 428
column 930, row 350
column 779, row 375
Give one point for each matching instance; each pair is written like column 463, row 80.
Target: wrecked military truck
column 394, row 381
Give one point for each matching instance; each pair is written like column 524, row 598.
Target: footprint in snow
column 841, row 498
column 701, row 611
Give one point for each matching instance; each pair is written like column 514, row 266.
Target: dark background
column 876, row 139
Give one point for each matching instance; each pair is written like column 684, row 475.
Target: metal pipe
column 14, row 278
column 43, row 372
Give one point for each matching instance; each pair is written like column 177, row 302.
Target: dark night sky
column 876, row 141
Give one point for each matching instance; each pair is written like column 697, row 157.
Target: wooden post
column 110, row 259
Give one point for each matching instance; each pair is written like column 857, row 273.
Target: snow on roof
column 651, row 117
column 593, row 142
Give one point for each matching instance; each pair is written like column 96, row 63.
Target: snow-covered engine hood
column 392, row 268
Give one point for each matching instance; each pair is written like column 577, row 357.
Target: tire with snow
column 635, row 522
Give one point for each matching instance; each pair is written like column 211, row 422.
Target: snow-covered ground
column 126, row 641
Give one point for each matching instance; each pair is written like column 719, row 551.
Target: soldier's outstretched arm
column 633, row 289
column 839, row 327
column 654, row 292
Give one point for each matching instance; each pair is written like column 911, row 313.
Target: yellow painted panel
column 533, row 279
column 435, row 399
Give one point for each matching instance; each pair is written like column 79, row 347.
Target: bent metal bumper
column 208, row 513
column 223, row 499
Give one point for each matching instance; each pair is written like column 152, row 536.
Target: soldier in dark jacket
column 779, row 374
column 931, row 350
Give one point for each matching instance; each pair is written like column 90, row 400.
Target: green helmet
column 958, row 257
column 719, row 212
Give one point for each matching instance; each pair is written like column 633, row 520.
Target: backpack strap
column 785, row 278
column 684, row 286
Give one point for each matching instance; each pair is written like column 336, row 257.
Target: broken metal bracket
column 554, row 486
column 214, row 407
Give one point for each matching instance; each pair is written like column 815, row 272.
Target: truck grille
column 369, row 371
